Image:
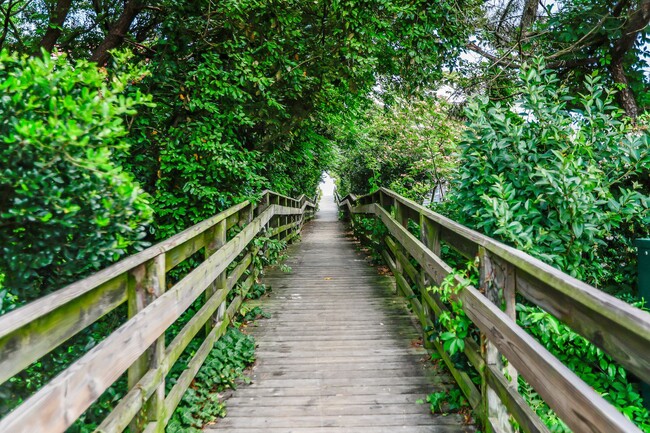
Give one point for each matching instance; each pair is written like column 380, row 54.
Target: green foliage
column 370, row 231
column 225, row 365
column 252, row 314
column 8, row 301
column 67, row 208
column 454, row 325
column 406, row 146
column 248, row 93
column 269, row 252
column 562, row 184
column 593, row 366
column 444, row 402
column 257, row 291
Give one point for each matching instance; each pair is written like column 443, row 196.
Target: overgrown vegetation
column 67, row 207
column 406, row 145
column 444, row 402
column 106, row 151
column 222, row 370
column 231, row 355
column 562, row 177
column 590, row 363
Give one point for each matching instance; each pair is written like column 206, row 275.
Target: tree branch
column 116, row 34
column 57, row 18
column 573, row 63
column 637, row 22
column 495, row 59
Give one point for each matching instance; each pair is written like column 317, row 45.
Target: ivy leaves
column 225, row 365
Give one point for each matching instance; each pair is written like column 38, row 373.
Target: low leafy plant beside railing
column 455, row 326
column 587, row 361
column 269, row 251
column 231, row 355
column 370, row 229
column 444, row 402
column 224, row 367
column 590, row 363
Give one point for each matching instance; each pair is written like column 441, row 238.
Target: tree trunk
column 7, row 23
column 637, row 21
column 625, row 95
column 56, row 21
column 529, row 15
column 118, row 31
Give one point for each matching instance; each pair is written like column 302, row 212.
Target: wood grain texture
column 31, row 312
column 55, row 406
column 575, row 402
column 27, row 342
column 579, row 406
column 339, row 352
column 621, row 330
column 30, row 332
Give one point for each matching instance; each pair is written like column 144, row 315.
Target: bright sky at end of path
column 327, row 185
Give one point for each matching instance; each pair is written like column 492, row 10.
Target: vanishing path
column 340, row 352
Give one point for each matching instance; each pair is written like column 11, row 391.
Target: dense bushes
column 563, row 177
column 590, row 363
column 558, row 176
column 407, row 146
column 67, row 208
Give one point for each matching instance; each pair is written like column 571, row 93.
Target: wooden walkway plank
column 339, row 352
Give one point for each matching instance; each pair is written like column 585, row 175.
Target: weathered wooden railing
column 619, row 329
column 138, row 346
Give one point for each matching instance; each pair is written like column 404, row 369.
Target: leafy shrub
column 370, row 231
column 406, row 146
column 225, row 364
column 8, row 301
column 558, row 176
column 67, row 208
column 453, row 326
column 257, row 291
column 447, row 401
column 590, row 363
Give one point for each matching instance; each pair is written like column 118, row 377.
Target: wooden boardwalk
column 339, row 352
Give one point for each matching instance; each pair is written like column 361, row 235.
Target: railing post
column 496, row 414
column 287, row 218
column 275, row 220
column 430, row 237
column 385, row 201
column 400, row 216
column 146, row 284
column 264, row 203
column 215, row 238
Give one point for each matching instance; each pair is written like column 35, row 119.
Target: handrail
column 616, row 327
column 32, row 331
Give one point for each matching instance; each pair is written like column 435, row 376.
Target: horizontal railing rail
column 619, row 329
column 138, row 346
